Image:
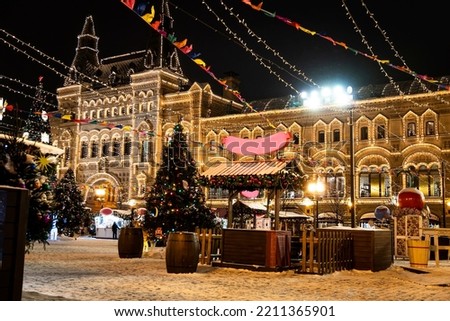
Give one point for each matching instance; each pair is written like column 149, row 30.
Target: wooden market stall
column 268, row 249
column 273, row 175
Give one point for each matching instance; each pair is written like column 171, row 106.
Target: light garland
column 186, row 49
column 372, row 57
column 269, row 48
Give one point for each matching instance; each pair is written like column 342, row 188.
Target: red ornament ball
column 411, row 198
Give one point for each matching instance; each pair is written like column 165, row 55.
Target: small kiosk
column 104, row 223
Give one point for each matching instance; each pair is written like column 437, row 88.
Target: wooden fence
column 210, row 244
column 332, row 250
column 320, row 252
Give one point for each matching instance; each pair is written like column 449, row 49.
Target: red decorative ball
column 411, row 198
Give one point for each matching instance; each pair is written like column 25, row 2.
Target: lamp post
column 316, row 188
column 352, row 171
column 339, row 97
column 100, row 194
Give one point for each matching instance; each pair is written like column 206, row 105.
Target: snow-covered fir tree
column 69, row 208
column 176, row 200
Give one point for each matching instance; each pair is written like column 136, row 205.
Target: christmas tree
column 37, row 126
column 176, row 199
column 69, row 205
column 23, row 165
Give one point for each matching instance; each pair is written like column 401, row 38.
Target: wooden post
column 277, row 208
column 14, row 205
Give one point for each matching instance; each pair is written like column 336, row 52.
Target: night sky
column 417, row 34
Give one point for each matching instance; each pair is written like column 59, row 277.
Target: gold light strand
column 396, row 53
column 67, row 68
column 269, row 48
column 365, row 42
column 258, row 58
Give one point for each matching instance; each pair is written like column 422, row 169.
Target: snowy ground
column 89, row 269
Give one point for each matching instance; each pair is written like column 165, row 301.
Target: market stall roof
column 368, row 216
column 327, row 215
column 254, row 205
column 293, row 215
column 45, row 148
column 245, row 168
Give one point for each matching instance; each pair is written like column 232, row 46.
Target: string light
column 269, row 48
column 396, row 53
column 372, row 57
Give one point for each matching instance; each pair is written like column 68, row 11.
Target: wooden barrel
column 131, row 242
column 419, row 253
column 182, row 252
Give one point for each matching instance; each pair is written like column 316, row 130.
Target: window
column 336, row 135
column 105, row 148
column 364, row 133
column 127, row 146
column 427, row 180
column 411, row 130
column 84, row 149
column 429, row 128
column 212, row 145
column 67, row 153
column 374, row 182
column 94, row 149
column 144, row 150
column 116, row 147
column 321, row 136
column 335, row 184
column 381, row 132
column 296, row 139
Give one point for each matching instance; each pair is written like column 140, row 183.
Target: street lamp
column 316, row 188
column 100, row 194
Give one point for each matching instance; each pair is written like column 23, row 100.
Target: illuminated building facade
column 123, row 110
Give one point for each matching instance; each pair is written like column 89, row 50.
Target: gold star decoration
column 43, row 162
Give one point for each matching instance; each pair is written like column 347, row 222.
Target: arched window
column 364, row 133
column 429, row 128
column 374, row 182
column 381, row 131
column 145, row 150
column 94, row 149
column 411, row 130
column 336, row 135
column 105, row 147
column 127, row 146
column 84, row 149
column 116, row 147
column 335, row 183
column 321, row 136
column 427, row 180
